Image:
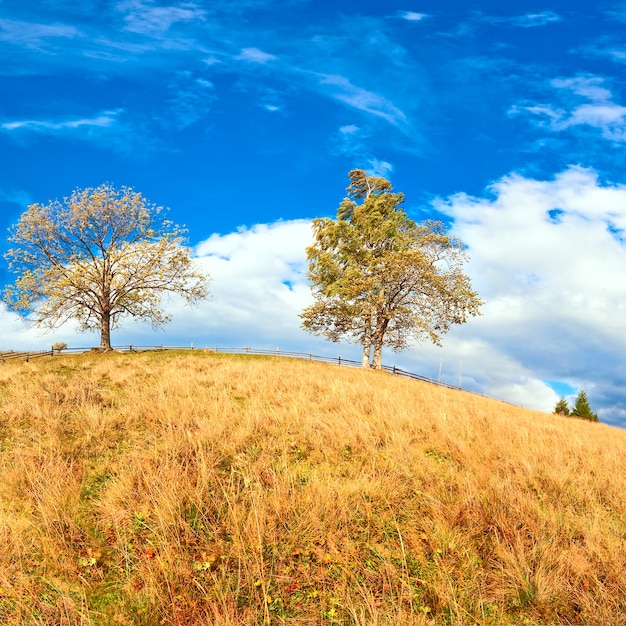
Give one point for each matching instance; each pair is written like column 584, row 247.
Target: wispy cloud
column 134, row 36
column 528, row 20
column 617, row 12
column 191, row 100
column 349, row 129
column 354, row 142
column 101, row 120
column 531, row 20
column 147, row 19
column 254, row 55
column 591, row 87
column 112, row 129
column 342, row 89
column 376, row 167
column 12, row 196
column 33, row 34
column 411, row 16
column 581, row 101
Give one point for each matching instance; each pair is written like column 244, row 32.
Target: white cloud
column 376, row 167
column 101, row 120
column 610, row 118
column 528, row 20
column 211, row 61
column 254, row 55
column 32, row 34
column 590, row 87
column 258, row 288
column 20, row 336
column 259, row 284
column 537, row 19
column 147, row 19
column 190, row 102
column 545, row 255
column 349, row 129
column 599, row 111
column 352, row 141
column 342, row 89
column 412, row 16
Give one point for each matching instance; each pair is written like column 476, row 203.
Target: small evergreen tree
column 582, row 409
column 561, row 407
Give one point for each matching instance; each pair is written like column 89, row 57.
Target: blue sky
column 506, row 120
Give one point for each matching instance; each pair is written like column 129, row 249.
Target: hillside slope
column 181, row 489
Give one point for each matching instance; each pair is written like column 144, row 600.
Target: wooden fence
column 12, row 355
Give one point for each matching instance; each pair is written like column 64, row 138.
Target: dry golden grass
column 184, row 489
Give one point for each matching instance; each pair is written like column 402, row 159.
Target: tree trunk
column 367, row 342
column 367, row 349
column 378, row 340
column 377, row 363
column 105, row 332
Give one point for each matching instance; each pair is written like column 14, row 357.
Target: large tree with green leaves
column 379, row 278
column 96, row 256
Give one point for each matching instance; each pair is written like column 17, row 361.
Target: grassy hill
column 198, row 488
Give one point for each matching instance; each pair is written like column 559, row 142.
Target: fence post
column 339, row 359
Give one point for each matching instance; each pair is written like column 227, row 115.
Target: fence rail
column 12, row 355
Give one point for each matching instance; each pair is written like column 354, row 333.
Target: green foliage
column 561, row 407
column 379, row 278
column 98, row 255
column 582, row 409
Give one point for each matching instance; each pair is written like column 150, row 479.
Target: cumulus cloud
column 258, row 289
column 545, row 255
column 18, row 334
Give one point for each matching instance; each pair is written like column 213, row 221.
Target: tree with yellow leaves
column 98, row 255
column 379, row 278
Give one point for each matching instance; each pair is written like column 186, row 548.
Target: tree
column 379, row 278
column 561, row 407
column 96, row 256
column 582, row 408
